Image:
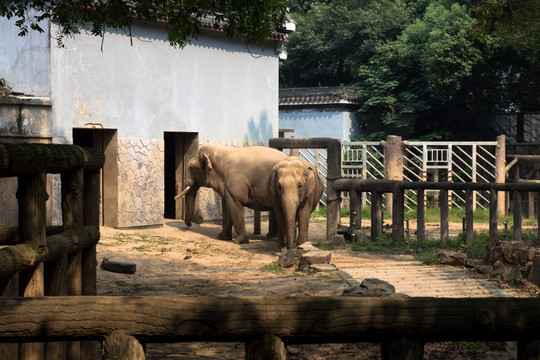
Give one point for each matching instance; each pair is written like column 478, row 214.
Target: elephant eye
column 299, row 185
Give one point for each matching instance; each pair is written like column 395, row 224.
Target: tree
column 251, row 21
column 333, row 38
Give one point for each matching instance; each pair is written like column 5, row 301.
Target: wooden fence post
column 528, row 349
column 393, row 163
column 493, row 236
column 9, row 287
column 517, row 215
column 32, row 196
column 444, row 215
column 398, row 215
column 420, row 215
column 376, row 215
column 333, row 196
column 469, row 220
column 73, row 219
column 266, row 347
column 56, row 285
column 90, row 350
column 500, row 171
column 356, row 210
column 402, row 349
column 119, row 346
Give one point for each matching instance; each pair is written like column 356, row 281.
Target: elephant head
column 200, row 172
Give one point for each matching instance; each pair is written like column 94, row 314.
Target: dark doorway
column 106, row 140
column 180, row 147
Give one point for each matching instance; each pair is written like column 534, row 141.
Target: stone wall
column 140, row 182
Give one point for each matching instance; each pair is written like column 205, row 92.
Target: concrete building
column 146, row 104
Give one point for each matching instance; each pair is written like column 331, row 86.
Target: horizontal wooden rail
column 392, row 185
column 294, row 319
column 27, row 159
column 9, row 235
column 22, row 257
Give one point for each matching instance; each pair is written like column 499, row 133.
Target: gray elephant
column 296, row 189
column 239, row 176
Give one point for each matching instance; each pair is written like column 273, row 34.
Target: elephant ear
column 310, row 179
column 208, row 162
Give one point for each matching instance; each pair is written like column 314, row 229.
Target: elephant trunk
column 289, row 204
column 190, row 196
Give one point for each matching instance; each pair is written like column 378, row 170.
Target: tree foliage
column 251, row 21
column 425, row 67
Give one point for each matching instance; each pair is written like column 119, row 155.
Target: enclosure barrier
column 397, row 188
column 33, row 264
column 401, row 325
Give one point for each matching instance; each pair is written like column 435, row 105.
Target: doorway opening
column 107, row 141
column 180, row 147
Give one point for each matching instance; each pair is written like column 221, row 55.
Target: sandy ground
column 175, row 260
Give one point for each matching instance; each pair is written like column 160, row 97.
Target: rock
column 495, row 254
column 451, row 257
column 485, row 269
column 507, row 272
column 339, row 240
column 314, row 257
column 373, row 288
column 324, row 268
column 290, row 258
column 360, row 235
column 378, row 284
column 534, row 273
column 517, row 254
column 307, row 246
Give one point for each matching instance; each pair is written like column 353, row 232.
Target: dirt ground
column 175, row 260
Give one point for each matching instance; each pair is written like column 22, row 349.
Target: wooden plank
column 293, row 319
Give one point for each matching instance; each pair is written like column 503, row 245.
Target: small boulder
column 451, row 257
column 290, row 258
column 314, row 257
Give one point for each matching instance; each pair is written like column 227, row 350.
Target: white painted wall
column 25, row 61
column 214, row 87
column 337, row 124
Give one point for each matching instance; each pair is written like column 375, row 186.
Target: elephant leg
column 226, row 233
column 272, row 225
column 238, row 220
column 303, row 224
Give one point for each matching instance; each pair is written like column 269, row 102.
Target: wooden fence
column 33, row 264
column 397, row 188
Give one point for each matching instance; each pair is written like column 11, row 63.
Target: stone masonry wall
column 140, row 182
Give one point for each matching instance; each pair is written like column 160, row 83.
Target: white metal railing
column 462, row 161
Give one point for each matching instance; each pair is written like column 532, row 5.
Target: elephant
column 296, row 189
column 239, row 176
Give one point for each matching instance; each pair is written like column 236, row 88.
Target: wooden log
column 9, row 235
column 266, row 347
column 74, row 288
column 119, row 346
column 301, row 143
column 517, row 216
column 16, row 258
column 402, row 349
column 420, row 215
column 469, row 219
column 444, row 215
column 376, row 215
column 24, row 159
column 293, row 319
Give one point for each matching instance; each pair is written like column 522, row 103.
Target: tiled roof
column 334, row 95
